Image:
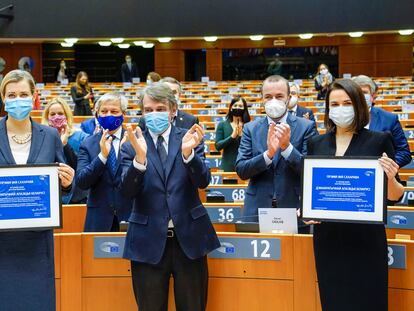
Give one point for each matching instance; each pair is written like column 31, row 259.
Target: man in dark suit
column 271, row 151
column 170, row 232
column 296, row 109
column 99, row 167
column 180, row 118
column 384, row 121
column 129, row 69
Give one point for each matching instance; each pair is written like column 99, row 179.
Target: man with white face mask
column 271, row 151
column 293, row 106
column 384, row 121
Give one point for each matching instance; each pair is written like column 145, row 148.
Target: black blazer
column 365, row 143
column 127, row 74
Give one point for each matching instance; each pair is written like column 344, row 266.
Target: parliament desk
column 249, row 272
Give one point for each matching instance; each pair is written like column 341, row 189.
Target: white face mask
column 149, row 82
column 293, row 101
column 342, row 116
column 368, row 100
column 324, row 71
column 275, row 108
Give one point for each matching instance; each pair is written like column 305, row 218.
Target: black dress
column 351, row 259
column 82, row 106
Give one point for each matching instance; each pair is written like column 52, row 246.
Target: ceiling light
column 356, row 34
column 210, row 39
column 148, row 45
column 406, row 32
column 256, row 37
column 306, row 36
column 140, row 43
column 71, row 40
column 66, row 45
column 117, row 40
column 104, row 43
column 164, row 40
column 124, row 45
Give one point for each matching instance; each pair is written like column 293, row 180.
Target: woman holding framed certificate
column 27, row 256
column 351, row 258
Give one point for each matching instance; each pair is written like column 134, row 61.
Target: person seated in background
column 129, row 70
column 271, row 151
column 153, row 77
column 181, row 119
column 82, row 95
column 229, row 132
column 296, row 109
column 58, row 114
column 323, row 80
column 62, row 72
column 384, row 121
column 99, row 167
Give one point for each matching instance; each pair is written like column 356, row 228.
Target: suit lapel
column 373, row 123
column 4, row 143
column 179, row 120
column 38, row 136
column 299, row 111
column 261, row 135
column 152, row 154
column 174, row 146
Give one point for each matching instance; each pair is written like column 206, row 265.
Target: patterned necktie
column 162, row 153
column 112, row 161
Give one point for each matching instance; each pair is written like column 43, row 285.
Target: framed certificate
column 343, row 189
column 30, row 197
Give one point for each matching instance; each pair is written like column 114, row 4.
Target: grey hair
column 362, row 80
column 276, row 78
column 159, row 92
column 112, row 96
column 296, row 86
column 171, row 80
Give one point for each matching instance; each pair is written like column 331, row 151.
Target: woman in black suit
column 82, row 95
column 27, row 279
column 351, row 259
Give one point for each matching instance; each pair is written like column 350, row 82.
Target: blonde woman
column 26, row 257
column 58, row 114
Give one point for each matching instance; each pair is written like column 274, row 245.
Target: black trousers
column 151, row 282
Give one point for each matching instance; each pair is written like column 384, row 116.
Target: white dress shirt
column 116, row 142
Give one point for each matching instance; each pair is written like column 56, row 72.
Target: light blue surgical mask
column 368, row 100
column 157, row 122
column 19, row 108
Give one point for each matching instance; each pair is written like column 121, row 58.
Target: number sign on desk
column 232, row 194
column 397, row 256
column 224, row 214
column 248, row 248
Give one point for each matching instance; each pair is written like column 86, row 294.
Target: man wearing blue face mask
column 99, row 167
column 170, row 232
column 384, row 121
column 271, row 150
